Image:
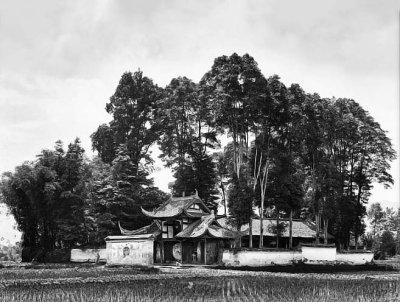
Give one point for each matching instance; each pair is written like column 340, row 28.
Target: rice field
column 196, row 285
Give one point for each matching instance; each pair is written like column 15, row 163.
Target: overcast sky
column 60, row 61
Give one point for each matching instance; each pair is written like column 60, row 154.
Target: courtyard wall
column 308, row 254
column 88, row 255
column 259, row 257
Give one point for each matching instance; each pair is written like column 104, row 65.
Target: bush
column 388, row 245
column 30, row 253
column 57, row 256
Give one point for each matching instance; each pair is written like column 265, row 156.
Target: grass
column 212, row 289
column 301, row 268
column 76, row 271
column 137, row 284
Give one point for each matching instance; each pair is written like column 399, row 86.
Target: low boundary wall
column 88, row 255
column 259, row 257
column 308, row 254
column 355, row 258
column 318, row 253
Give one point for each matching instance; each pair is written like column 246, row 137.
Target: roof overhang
column 128, row 238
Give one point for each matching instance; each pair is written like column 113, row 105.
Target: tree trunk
column 261, row 243
column 291, row 229
column 238, row 240
column 223, row 196
column 356, row 240
column 277, row 228
column 317, row 228
column 251, row 232
column 326, row 221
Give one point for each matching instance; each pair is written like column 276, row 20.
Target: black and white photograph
column 199, row 150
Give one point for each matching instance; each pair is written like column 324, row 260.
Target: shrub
column 388, row 244
column 57, row 256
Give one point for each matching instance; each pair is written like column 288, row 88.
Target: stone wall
column 130, row 252
column 88, row 255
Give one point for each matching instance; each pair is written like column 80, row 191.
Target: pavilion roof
column 154, row 229
column 206, row 226
column 176, row 206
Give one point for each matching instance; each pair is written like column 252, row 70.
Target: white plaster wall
column 355, row 258
column 140, row 252
column 88, row 255
column 310, row 254
column 259, row 258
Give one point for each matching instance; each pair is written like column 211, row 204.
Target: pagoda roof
column 207, row 225
column 127, row 238
column 176, row 206
column 154, row 229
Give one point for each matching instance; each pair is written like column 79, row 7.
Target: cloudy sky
column 60, row 61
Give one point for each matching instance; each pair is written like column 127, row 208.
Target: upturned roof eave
column 155, row 216
column 191, row 200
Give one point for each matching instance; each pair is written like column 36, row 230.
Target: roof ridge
column 185, row 197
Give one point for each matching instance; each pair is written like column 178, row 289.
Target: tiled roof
column 153, row 229
column 175, row 206
column 207, row 225
column 220, row 232
column 124, row 237
column 300, row 229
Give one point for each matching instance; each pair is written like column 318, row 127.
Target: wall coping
column 319, row 245
column 355, row 252
column 235, row 250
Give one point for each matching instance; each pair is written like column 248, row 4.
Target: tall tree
column 376, row 215
column 267, row 127
column 237, row 86
column 120, row 197
column 239, row 202
column 134, row 107
column 188, row 133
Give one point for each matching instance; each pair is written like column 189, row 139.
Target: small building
column 183, row 230
column 303, row 232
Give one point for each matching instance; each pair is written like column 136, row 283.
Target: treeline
column 290, row 154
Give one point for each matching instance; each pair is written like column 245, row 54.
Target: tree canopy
column 289, row 154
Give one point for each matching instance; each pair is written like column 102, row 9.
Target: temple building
column 184, row 231
column 303, row 232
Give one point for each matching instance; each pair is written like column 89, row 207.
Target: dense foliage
column 63, row 200
column 47, row 199
column 291, row 154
